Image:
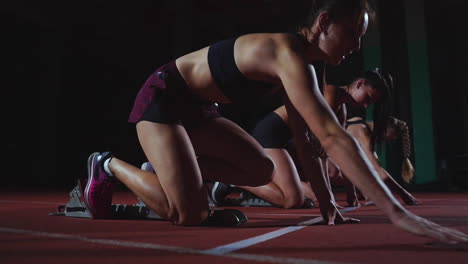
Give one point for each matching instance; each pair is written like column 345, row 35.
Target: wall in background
column 75, row 68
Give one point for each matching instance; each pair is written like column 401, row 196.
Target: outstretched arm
column 396, row 188
column 301, row 87
column 362, row 135
column 312, row 169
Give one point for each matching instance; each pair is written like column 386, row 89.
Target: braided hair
column 402, row 131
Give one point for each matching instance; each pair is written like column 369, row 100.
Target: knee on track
column 191, row 217
column 293, row 201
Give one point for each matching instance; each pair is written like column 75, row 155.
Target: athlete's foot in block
column 423, row 227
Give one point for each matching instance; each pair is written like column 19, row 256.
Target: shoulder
column 267, row 53
column 268, row 43
column 358, row 128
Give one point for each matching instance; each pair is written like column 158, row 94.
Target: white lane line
column 226, row 249
column 180, row 250
column 220, row 250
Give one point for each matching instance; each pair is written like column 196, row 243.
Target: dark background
column 73, row 68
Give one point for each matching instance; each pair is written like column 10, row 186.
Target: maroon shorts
column 166, row 98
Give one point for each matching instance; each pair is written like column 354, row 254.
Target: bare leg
column 226, row 153
column 177, row 191
column 168, row 148
column 308, row 192
column 144, row 184
column 285, row 188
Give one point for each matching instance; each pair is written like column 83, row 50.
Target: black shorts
column 272, row 132
column 166, row 98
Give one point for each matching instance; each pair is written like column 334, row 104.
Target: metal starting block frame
column 76, row 207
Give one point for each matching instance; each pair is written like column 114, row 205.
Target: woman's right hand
column 423, row 227
column 334, row 217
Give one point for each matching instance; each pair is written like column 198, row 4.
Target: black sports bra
column 228, row 77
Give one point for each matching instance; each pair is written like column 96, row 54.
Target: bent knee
column 293, row 201
column 191, row 217
column 192, row 213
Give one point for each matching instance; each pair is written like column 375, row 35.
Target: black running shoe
column 219, row 192
column 308, row 203
column 225, row 217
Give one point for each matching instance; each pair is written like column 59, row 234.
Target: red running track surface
column 29, row 235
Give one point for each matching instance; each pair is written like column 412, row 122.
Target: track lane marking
column 220, row 250
column 180, row 250
column 228, row 248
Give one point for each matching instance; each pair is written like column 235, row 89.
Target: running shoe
column 219, row 192
column 248, row 199
column 308, row 203
column 99, row 188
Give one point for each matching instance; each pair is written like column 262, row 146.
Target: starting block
column 225, row 217
column 76, row 207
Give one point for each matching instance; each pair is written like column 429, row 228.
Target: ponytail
column 407, row 169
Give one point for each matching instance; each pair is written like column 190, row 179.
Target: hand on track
column 334, row 216
column 423, row 227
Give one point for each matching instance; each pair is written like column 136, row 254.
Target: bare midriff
column 196, row 72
